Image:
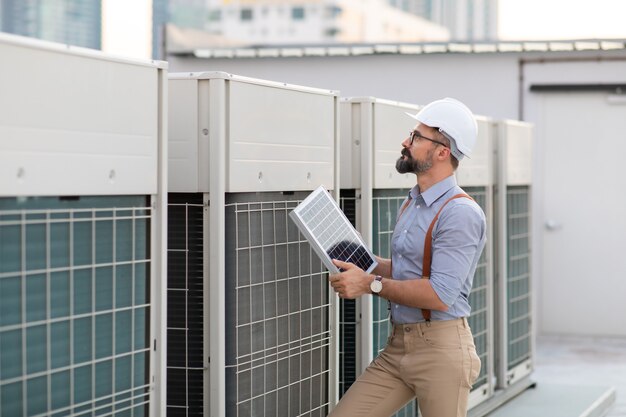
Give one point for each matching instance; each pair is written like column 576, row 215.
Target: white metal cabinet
column 514, row 150
column 245, row 152
column 372, row 131
column 82, row 230
column 476, row 175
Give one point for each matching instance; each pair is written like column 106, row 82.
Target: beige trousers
column 435, row 362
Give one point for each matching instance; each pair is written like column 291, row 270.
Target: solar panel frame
column 333, row 225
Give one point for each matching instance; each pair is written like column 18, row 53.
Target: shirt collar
column 434, row 192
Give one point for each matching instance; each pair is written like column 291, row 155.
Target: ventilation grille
column 478, row 298
column 75, row 306
column 385, row 207
column 277, row 311
column 185, row 311
column 348, row 314
column 518, row 276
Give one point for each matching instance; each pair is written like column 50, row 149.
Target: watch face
column 376, row 286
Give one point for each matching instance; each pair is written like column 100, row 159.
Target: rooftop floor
column 575, row 377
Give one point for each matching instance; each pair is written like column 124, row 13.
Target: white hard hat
column 454, row 120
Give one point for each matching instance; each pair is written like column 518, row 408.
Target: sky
column 561, row 19
column 127, row 28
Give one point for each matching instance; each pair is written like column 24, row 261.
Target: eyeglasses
column 413, row 134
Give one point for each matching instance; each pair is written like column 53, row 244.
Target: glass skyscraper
column 189, row 14
column 467, row 20
column 160, row 16
column 74, row 22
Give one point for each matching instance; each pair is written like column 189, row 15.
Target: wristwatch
column 376, row 285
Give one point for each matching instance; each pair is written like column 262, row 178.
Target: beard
column 415, row 166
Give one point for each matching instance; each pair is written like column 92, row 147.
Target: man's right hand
column 353, row 282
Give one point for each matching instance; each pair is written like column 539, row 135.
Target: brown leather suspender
column 428, row 243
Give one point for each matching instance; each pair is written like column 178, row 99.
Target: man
column 430, row 353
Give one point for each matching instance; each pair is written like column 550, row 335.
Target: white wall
column 582, row 292
column 488, row 83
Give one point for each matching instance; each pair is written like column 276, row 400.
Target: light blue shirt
column 459, row 238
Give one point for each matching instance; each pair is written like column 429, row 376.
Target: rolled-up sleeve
column 458, row 236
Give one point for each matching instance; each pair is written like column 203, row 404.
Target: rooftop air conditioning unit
column 372, row 133
column 514, row 251
column 251, row 318
column 82, row 231
column 476, row 176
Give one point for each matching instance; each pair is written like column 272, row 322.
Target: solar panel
column 330, row 233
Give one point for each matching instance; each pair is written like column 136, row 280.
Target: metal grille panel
column 277, row 318
column 385, row 207
column 348, row 315
column 74, row 306
column 185, row 305
column 518, row 276
column 478, row 299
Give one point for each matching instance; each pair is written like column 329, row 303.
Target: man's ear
column 443, row 152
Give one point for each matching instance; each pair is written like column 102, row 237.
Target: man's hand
column 353, row 282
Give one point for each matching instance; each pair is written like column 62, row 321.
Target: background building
column 310, row 21
column 467, row 20
column 75, row 22
column 187, row 14
column 160, row 16
column 106, row 24
column 114, row 26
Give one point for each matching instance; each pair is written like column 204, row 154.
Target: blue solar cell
column 330, row 233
